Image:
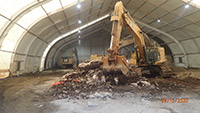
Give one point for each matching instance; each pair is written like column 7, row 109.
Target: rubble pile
column 88, row 79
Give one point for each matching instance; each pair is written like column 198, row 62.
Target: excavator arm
column 136, row 32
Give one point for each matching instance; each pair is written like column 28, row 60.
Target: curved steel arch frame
column 18, row 15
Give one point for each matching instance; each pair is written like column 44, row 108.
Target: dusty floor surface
column 27, row 94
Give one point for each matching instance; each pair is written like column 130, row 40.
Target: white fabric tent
column 29, row 29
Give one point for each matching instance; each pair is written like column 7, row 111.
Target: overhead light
column 79, row 31
column 158, row 20
column 187, row 6
column 79, row 42
column 79, row 21
column 78, row 6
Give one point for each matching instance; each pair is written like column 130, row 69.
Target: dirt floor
column 30, row 94
column 26, row 94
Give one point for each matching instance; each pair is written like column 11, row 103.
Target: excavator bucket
column 117, row 66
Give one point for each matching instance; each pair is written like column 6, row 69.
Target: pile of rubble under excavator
column 89, row 79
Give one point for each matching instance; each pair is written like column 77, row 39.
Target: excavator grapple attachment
column 116, row 66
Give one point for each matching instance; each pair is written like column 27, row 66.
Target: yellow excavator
column 70, row 61
column 148, row 55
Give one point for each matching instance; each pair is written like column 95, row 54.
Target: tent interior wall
column 37, row 31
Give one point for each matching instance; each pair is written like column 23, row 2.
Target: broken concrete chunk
column 103, row 79
column 65, row 92
column 95, row 77
column 134, row 84
column 116, row 79
column 146, row 83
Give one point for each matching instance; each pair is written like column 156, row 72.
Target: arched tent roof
column 28, row 27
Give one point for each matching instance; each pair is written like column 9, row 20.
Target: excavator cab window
column 151, row 55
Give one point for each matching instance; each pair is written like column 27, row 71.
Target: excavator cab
column 152, row 55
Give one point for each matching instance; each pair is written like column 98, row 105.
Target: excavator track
column 166, row 71
column 162, row 71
